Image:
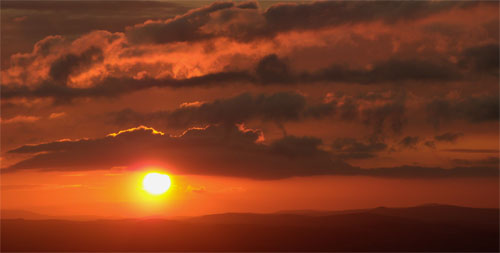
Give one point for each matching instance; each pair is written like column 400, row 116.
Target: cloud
column 410, row 142
column 469, row 150
column 489, row 161
column 450, row 30
column 292, row 146
column 58, row 61
column 391, row 114
column 187, row 27
column 74, row 18
column 276, row 107
column 430, row 144
column 56, row 115
column 214, row 150
column 113, row 87
column 230, row 20
column 20, row 119
column 391, row 70
column 108, row 63
column 69, row 64
column 382, row 115
column 270, row 70
column 448, row 137
column 484, row 58
column 349, row 148
column 470, row 109
column 225, row 151
column 434, row 172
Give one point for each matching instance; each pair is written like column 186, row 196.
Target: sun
column 156, row 183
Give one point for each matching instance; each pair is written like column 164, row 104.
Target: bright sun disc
column 156, row 183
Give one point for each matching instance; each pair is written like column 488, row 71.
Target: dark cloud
column 409, row 142
column 72, row 19
column 484, row 58
column 269, row 70
column 392, row 70
column 448, row 137
column 470, row 109
column 492, row 28
column 70, row 64
column 293, row 146
column 43, row 48
column 102, row 7
column 276, row 107
column 186, row 27
column 113, row 87
column 272, row 69
column 433, row 172
column 321, row 110
column 447, row 29
column 381, row 118
column 468, row 150
column 230, row 20
column 349, row 148
column 489, row 161
column 349, row 109
column 283, row 17
column 248, row 5
column 211, row 151
column 430, row 144
column 391, row 115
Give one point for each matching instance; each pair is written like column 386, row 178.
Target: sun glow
column 156, row 183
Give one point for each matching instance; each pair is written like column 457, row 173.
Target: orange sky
column 260, row 107
column 120, row 194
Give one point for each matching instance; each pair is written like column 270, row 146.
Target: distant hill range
column 28, row 215
column 421, row 228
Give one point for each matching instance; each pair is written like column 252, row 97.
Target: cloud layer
column 226, row 43
column 217, row 150
column 332, row 84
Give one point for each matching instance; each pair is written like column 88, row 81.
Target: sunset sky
column 248, row 106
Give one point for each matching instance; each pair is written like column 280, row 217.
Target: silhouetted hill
column 428, row 212
column 423, row 228
column 28, row 215
column 443, row 213
column 22, row 214
column 320, row 213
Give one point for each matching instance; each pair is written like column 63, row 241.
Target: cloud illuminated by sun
column 153, row 131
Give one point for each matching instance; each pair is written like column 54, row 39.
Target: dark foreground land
column 423, row 228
